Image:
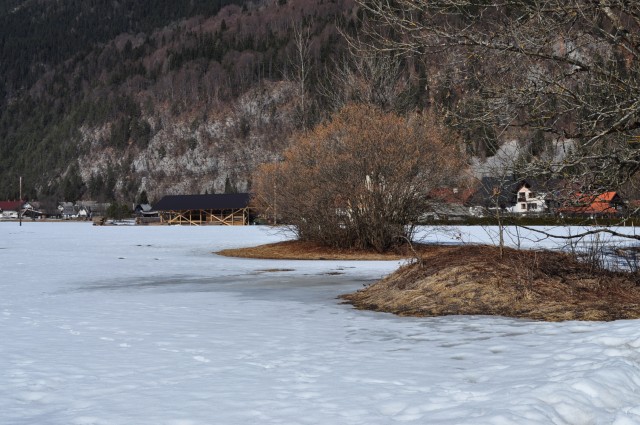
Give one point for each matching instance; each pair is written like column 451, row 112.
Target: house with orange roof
column 604, row 204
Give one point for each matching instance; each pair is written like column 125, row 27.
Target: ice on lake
column 144, row 325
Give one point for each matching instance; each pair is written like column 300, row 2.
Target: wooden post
column 20, row 207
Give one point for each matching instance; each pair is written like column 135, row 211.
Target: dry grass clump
column 540, row 285
column 301, row 250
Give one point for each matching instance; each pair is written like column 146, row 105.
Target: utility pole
column 20, row 207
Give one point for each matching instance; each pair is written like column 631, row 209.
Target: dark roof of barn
column 227, row 201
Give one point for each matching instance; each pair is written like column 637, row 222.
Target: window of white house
column 523, row 206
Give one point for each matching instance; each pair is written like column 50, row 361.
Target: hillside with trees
column 105, row 100
column 540, row 71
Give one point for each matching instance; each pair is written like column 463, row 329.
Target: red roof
column 602, row 203
column 605, row 203
column 11, row 205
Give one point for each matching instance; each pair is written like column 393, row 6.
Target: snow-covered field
column 144, row 325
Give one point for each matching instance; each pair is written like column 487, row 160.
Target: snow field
column 143, row 325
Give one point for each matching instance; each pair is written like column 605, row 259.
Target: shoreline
column 542, row 285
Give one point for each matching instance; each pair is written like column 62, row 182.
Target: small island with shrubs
column 347, row 190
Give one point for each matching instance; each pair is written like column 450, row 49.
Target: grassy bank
column 299, row 250
column 474, row 280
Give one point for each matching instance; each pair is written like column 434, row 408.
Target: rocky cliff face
column 200, row 154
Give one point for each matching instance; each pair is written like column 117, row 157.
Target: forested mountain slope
column 102, row 100
column 105, row 99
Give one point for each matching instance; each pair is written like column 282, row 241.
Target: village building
column 220, row 209
column 95, row 208
column 33, row 210
column 607, row 204
column 146, row 214
column 528, row 201
column 11, row 209
column 83, row 210
column 493, row 193
column 84, row 213
column 516, row 196
column 67, row 210
column 448, row 204
column 144, row 210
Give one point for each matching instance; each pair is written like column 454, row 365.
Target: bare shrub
column 362, row 179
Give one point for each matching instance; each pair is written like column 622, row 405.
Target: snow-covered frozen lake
column 144, row 325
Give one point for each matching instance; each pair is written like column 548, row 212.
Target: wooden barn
column 223, row 209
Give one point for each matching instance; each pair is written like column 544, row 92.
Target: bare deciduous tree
column 568, row 68
column 362, row 179
column 300, row 63
column 375, row 78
